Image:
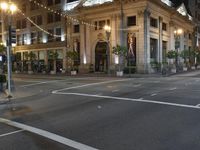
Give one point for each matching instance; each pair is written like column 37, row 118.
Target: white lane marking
column 91, row 84
column 154, row 94
column 115, row 91
column 198, row 105
column 173, row 89
column 131, row 99
column 45, row 82
column 137, row 85
column 48, row 135
column 6, row 134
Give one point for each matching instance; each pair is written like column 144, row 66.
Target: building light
column 84, row 59
column 44, row 39
column 116, row 59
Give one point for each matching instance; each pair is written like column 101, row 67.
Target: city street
column 105, row 113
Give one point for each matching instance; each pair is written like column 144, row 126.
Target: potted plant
column 53, row 55
column 172, row 55
column 72, row 56
column 120, row 51
column 185, row 55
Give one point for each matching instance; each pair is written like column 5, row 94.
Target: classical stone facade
column 145, row 27
column 151, row 23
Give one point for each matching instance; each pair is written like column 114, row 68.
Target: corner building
column 146, row 27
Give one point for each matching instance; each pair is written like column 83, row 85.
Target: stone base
column 119, row 73
column 30, row 72
column 84, row 68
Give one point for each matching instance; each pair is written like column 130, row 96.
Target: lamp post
column 177, row 34
column 9, row 8
column 108, row 33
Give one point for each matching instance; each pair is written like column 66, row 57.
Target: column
column 64, row 59
column 143, row 51
column 171, row 33
column 160, row 47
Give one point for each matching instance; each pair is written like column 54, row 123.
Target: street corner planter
column 193, row 67
column 30, row 72
column 173, row 70
column 17, row 71
column 185, row 69
column 52, row 72
column 73, row 73
column 198, row 67
column 63, row 71
column 119, row 73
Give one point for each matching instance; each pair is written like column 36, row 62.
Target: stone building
column 146, row 27
column 194, row 7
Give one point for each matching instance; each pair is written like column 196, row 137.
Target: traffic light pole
column 9, row 47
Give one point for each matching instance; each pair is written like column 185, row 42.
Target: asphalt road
column 88, row 113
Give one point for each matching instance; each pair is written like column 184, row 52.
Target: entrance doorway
column 101, row 57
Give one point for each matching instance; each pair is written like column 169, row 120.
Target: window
column 18, row 24
column 95, row 25
column 49, row 2
column 39, row 20
column 49, row 17
column 57, row 1
column 18, row 40
column 39, row 37
column 34, row 6
column 33, row 37
column 164, row 50
column 76, row 28
column 69, row 1
column 190, row 36
column 34, row 20
column 154, row 22
column 102, row 23
column 58, row 34
column 153, row 49
column 23, row 8
column 57, row 16
column 164, row 26
column 131, row 21
column 50, row 36
column 23, row 23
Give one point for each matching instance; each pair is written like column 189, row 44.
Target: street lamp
column 108, row 33
column 9, row 8
column 177, row 34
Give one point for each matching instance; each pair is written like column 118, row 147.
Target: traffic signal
column 12, row 36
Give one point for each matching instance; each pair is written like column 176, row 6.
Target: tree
column 72, row 56
column 185, row 54
column 2, row 48
column 53, row 55
column 120, row 51
column 31, row 56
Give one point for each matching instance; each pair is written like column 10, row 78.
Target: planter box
column 52, row 72
column 63, row 72
column 30, row 72
column 17, row 71
column 119, row 73
column 43, row 72
column 173, row 70
column 73, row 73
column 185, row 68
column 198, row 67
column 193, row 68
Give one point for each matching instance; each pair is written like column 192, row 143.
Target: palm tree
column 53, row 55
